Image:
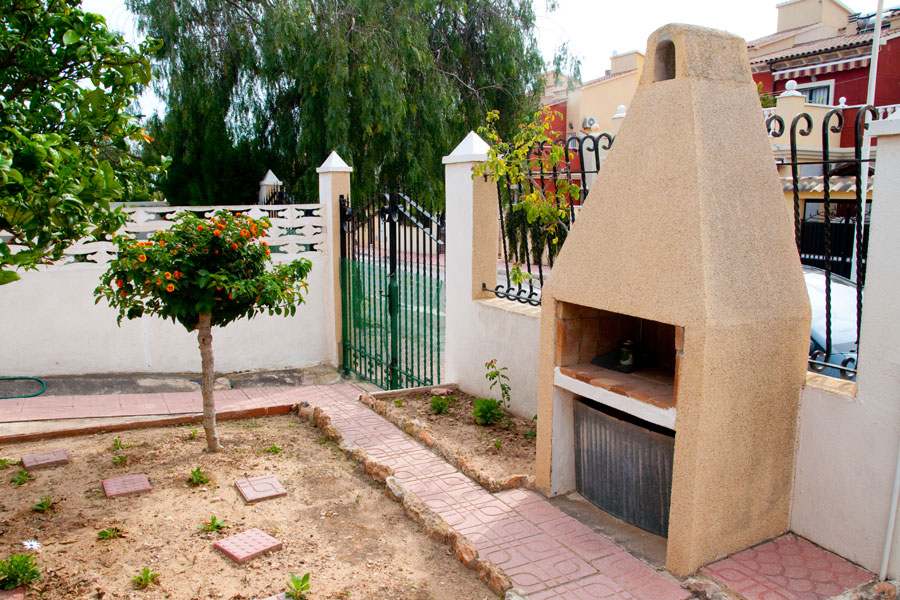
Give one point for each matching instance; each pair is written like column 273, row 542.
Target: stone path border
column 422, row 433
column 515, row 539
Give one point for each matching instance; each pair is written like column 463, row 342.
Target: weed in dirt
column 145, row 578
column 120, row 460
column 297, row 587
column 18, row 570
column 118, row 445
column 498, row 444
column 273, row 449
column 495, row 375
column 440, row 404
column 398, row 403
column 250, row 424
column 45, row 504
column 532, row 433
column 4, row 462
column 322, row 440
column 192, row 434
column 21, row 478
column 197, row 477
column 214, row 524
column 110, row 533
column 487, row 411
column 508, row 424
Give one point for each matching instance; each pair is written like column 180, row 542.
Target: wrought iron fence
column 392, row 282
column 831, row 233
column 527, row 250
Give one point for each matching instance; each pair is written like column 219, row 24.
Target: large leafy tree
column 203, row 273
column 392, row 86
column 66, row 135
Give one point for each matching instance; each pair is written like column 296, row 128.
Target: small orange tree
column 200, row 273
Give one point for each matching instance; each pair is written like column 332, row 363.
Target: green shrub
column 487, row 411
column 17, row 571
column 440, row 404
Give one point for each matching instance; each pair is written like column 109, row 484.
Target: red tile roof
column 820, row 46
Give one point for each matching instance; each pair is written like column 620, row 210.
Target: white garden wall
column 849, row 434
column 481, row 327
column 51, row 325
column 496, row 328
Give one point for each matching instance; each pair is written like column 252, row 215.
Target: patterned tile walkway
column 787, row 568
column 125, row 405
column 546, row 553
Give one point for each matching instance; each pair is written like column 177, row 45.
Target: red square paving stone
column 249, row 544
column 16, row 594
column 263, row 487
column 44, row 460
column 125, row 485
column 788, row 568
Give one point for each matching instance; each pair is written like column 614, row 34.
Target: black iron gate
column 392, row 283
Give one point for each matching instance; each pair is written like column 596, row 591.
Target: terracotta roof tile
column 819, row 46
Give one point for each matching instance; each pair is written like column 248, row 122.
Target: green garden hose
column 38, row 393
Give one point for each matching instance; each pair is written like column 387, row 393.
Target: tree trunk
column 204, row 337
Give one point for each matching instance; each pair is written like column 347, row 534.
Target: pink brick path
column 788, row 568
column 543, row 551
column 126, row 405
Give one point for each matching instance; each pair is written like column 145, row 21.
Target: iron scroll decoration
column 833, row 122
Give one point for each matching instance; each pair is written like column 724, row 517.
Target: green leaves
column 65, row 147
column 218, row 266
column 392, row 86
column 70, row 37
column 8, row 277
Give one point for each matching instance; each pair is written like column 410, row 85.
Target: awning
column 821, row 69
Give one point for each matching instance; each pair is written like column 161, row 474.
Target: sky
column 594, row 29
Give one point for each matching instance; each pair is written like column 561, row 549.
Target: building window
column 817, row 95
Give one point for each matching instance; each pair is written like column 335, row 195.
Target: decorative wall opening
column 665, row 61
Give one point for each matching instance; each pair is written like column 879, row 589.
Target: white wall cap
column 889, row 126
column 471, row 149
column 334, row 164
column 270, row 179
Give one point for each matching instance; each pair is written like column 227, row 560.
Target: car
column 843, row 324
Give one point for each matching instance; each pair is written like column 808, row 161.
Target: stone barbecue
column 675, row 324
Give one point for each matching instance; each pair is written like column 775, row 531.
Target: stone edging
column 705, row 588
column 435, row 527
column 878, row 590
column 418, row 430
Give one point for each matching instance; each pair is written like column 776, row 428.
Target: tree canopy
column 66, row 85
column 392, row 86
column 203, row 273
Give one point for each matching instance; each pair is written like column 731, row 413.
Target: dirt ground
column 514, row 455
column 335, row 522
